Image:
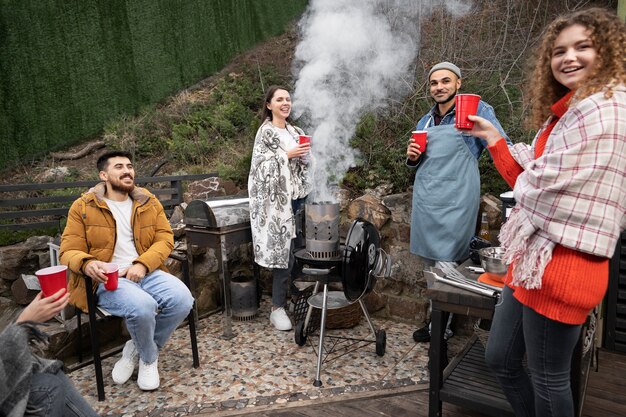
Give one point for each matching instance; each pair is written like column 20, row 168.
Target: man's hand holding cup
column 417, row 145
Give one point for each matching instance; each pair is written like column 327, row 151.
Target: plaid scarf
column 574, row 194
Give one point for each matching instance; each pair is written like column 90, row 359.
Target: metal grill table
column 467, row 381
column 209, row 227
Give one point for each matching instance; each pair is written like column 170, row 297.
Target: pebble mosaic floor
column 259, row 366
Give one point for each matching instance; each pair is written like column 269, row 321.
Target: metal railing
column 32, row 205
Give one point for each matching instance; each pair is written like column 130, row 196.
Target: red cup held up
column 466, row 104
column 111, row 272
column 52, row 279
column 304, row 139
column 419, row 137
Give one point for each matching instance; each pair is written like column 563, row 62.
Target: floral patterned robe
column 273, row 182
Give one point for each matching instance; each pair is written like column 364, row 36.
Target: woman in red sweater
column 570, row 188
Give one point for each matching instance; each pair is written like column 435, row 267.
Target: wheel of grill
column 299, row 334
column 381, row 342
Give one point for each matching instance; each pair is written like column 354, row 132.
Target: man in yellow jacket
column 117, row 222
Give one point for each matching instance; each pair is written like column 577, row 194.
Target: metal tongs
column 451, row 276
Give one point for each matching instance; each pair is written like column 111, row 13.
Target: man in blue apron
column 446, row 191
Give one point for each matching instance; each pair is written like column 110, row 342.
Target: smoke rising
column 353, row 56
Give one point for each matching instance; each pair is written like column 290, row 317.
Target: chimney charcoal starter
column 322, row 230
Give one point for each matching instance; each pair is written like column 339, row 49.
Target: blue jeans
column 549, row 346
column 152, row 308
column 54, row 395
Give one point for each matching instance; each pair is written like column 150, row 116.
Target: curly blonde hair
column 608, row 35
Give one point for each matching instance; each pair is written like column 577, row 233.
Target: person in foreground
column 570, row 189
column 446, row 190
column 29, row 384
column 278, row 183
column 120, row 223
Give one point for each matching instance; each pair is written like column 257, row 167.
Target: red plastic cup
column 304, row 139
column 112, row 277
column 52, row 279
column 466, row 104
column 419, row 137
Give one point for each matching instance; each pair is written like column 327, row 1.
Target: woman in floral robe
column 277, row 185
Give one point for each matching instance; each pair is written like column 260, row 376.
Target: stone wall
column 399, row 297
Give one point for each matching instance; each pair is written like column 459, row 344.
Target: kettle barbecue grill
column 356, row 264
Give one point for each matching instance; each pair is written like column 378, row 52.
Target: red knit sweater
column 573, row 282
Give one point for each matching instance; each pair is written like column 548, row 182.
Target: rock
column 371, row 209
column 407, row 274
column 36, row 243
column 343, row 198
column 375, row 301
column 411, row 309
column 43, row 259
column 177, row 216
column 400, row 207
column 22, row 294
column 53, row 174
column 210, row 188
column 178, row 230
column 175, row 267
column 208, row 294
column 16, row 260
column 380, row 191
column 203, row 266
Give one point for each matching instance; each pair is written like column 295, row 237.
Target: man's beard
column 119, row 186
column 447, row 98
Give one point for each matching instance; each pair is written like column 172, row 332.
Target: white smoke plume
column 353, row 56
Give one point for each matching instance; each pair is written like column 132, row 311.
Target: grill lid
column 360, row 257
column 218, row 212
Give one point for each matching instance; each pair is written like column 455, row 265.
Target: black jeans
column 283, row 278
column 549, row 346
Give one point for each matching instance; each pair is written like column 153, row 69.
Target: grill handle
column 316, row 271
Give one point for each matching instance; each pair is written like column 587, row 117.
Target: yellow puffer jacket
column 90, row 234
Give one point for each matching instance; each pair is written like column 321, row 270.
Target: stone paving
column 260, row 366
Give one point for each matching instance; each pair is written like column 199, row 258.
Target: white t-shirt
column 125, row 252
column 287, row 140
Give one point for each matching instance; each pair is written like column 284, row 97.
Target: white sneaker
column 280, row 320
column 125, row 367
column 148, row 378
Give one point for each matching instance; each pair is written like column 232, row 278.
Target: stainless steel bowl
column 491, row 260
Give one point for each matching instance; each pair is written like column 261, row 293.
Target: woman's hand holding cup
column 484, row 129
column 300, row 150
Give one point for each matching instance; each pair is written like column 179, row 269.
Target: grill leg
column 309, row 310
column 320, row 349
column 367, row 316
column 228, row 312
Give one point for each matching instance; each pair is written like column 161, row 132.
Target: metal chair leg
column 95, row 343
column 192, row 317
column 79, row 338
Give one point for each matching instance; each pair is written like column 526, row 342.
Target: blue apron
column 446, row 197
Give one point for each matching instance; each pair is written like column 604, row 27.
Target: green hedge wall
column 69, row 66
